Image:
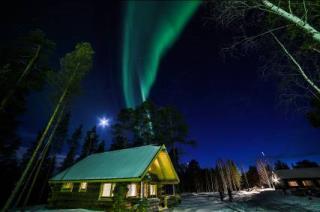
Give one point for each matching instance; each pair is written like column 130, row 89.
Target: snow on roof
column 118, row 164
column 299, row 173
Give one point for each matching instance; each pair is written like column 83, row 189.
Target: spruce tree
column 61, row 133
column 305, row 164
column 149, row 124
column 100, row 147
column 90, row 143
column 278, row 165
column 253, row 176
column 119, row 197
column 73, row 146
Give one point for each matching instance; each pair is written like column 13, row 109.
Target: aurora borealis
column 230, row 110
column 150, row 29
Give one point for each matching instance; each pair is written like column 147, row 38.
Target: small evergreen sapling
column 119, row 197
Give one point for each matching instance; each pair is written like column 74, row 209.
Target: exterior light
column 275, row 179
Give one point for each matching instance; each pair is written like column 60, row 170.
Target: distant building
column 89, row 183
column 299, row 178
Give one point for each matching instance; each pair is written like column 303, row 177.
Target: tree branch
column 301, row 71
column 294, row 19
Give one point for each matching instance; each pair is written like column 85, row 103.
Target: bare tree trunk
column 232, row 177
column 43, row 156
column 229, row 181
column 220, row 186
column 228, row 176
column 211, row 180
column 263, row 173
column 301, row 71
column 207, row 187
column 44, row 134
column 216, row 182
column 221, row 179
column 25, row 184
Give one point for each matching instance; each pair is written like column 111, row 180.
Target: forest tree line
column 226, row 176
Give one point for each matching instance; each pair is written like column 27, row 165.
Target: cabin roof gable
column 120, row 165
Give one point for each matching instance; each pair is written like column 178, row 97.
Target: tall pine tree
column 74, row 67
column 22, row 71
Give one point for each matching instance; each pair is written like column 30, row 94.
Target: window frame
column 111, row 191
column 66, row 189
column 136, row 190
column 307, row 183
column 83, row 189
column 293, row 182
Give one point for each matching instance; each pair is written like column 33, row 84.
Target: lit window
column 153, row 190
column 67, row 187
column 132, row 190
column 83, row 187
column 293, row 183
column 107, row 190
column 307, row 183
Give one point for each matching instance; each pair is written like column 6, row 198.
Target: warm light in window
column 132, row 192
column 67, row 187
column 307, row 183
column 83, row 186
column 293, row 183
column 107, row 189
column 153, row 190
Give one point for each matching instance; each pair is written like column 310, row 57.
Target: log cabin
column 147, row 171
column 299, row 180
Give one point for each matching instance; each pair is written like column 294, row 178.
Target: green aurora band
column 150, row 29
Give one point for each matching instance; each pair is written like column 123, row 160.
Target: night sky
column 232, row 111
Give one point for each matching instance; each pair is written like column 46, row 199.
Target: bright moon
column 103, row 122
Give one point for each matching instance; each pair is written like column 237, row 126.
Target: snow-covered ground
column 256, row 200
column 42, row 208
column 244, row 201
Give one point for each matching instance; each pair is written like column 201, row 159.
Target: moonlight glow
column 104, row 122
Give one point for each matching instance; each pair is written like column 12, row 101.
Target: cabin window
column 107, row 189
column 307, row 183
column 293, row 183
column 83, row 187
column 153, row 190
column 67, row 187
column 132, row 190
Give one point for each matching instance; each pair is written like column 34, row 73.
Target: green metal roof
column 118, row 164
